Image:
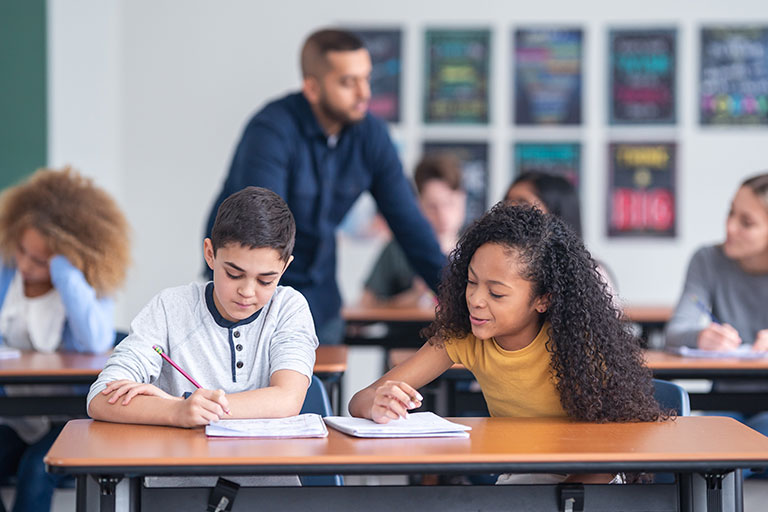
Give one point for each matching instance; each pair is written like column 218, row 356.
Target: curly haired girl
column 523, row 307
column 64, row 249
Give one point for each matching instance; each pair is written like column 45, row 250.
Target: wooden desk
column 652, row 320
column 71, row 369
column 495, row 445
column 669, row 366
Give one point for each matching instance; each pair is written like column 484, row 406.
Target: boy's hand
column 130, row 389
column 392, row 401
column 201, row 408
column 719, row 337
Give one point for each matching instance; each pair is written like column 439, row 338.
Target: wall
column 150, row 97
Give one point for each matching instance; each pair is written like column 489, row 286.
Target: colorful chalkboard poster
column 547, row 76
column 559, row 158
column 385, row 47
column 642, row 76
column 642, row 190
column 457, row 76
column 734, row 76
column 474, row 165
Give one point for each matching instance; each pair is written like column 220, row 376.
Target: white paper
column 303, row 425
column 7, row 352
column 743, row 352
column 418, row 424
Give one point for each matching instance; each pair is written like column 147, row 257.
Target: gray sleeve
column 688, row 320
column 134, row 358
column 294, row 341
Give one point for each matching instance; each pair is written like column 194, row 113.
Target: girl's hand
column 131, row 389
column 392, row 401
column 201, row 408
column 719, row 337
column 761, row 341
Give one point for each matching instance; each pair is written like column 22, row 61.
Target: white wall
column 150, row 96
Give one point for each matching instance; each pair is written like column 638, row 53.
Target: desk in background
column 399, row 327
column 70, row 369
column 727, row 398
column 685, row 446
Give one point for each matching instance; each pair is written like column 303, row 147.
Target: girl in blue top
column 64, row 249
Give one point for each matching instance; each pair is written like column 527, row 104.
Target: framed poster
column 734, row 76
column 385, row 47
column 474, row 165
column 642, row 189
column 642, row 73
column 457, row 74
column 547, row 76
column 559, row 158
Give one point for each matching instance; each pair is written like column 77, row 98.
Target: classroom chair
column 671, row 396
column 317, row 402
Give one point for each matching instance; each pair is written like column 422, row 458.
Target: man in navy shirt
column 319, row 150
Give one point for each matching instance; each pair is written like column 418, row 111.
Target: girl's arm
column 89, row 317
column 390, row 397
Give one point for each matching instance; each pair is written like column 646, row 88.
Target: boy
column 240, row 334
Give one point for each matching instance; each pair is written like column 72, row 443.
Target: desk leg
column 107, row 492
column 81, row 493
column 738, row 490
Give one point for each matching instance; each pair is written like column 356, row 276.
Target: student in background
column 556, row 195
column 65, row 250
column 248, row 342
column 729, row 280
column 521, row 304
column 723, row 305
column 443, row 201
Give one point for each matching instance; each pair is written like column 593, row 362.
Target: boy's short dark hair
column 255, row 217
column 443, row 167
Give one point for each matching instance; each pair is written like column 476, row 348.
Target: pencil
column 703, row 307
column 159, row 350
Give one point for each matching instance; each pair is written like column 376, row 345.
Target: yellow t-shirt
column 516, row 383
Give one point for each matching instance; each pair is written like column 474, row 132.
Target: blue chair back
column 317, row 402
column 671, row 396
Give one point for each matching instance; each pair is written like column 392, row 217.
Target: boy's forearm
column 145, row 410
column 271, row 402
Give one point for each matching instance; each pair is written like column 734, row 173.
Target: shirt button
column 236, row 334
column 239, row 347
column 239, row 364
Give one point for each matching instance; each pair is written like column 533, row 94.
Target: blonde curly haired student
column 64, row 246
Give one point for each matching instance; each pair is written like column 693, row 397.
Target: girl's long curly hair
column 79, row 220
column 597, row 364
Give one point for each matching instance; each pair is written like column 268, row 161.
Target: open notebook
column 303, row 425
column 418, row 424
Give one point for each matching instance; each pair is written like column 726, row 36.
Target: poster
column 474, row 165
column 385, row 47
column 547, row 76
column 558, row 158
column 457, row 76
column 642, row 76
column 734, row 76
column 642, row 189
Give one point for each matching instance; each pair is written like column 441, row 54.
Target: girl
column 522, row 306
column 64, row 249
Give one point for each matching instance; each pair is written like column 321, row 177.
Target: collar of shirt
column 220, row 320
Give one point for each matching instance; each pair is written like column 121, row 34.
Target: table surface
column 529, row 442
column 329, row 359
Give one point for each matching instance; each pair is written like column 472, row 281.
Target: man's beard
column 334, row 114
